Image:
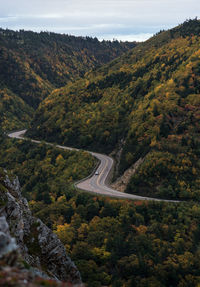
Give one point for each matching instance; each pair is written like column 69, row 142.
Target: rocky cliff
column 26, row 237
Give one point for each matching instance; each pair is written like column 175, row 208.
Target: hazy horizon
column 120, row 19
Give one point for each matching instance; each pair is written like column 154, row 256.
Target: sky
column 105, row 19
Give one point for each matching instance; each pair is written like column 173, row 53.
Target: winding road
column 95, row 183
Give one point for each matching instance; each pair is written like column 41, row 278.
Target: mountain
column 15, row 113
column 147, row 103
column 33, row 64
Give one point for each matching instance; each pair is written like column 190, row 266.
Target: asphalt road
column 97, row 182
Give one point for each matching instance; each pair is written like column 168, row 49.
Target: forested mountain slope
column 33, row 64
column 15, row 113
column 112, row 242
column 149, row 99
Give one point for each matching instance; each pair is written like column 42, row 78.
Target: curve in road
column 96, row 183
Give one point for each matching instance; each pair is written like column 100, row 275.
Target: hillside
column 33, row 64
column 112, row 242
column 147, row 101
column 15, row 113
column 45, row 172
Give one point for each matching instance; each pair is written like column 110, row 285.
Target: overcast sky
column 105, row 19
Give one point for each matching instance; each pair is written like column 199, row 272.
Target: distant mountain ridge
column 34, row 64
column 144, row 99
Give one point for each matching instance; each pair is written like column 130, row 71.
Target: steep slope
column 45, row 172
column 15, row 113
column 33, row 64
column 111, row 241
column 38, row 246
column 149, row 100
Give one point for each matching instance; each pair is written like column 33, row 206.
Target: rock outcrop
column 121, row 183
column 8, row 246
column 36, row 243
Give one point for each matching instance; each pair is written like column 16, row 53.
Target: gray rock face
column 8, row 246
column 38, row 245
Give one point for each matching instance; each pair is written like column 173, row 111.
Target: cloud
column 130, row 38
column 121, row 19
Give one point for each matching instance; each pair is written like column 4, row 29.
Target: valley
column 147, row 99
column 96, row 183
column 70, row 108
column 32, row 65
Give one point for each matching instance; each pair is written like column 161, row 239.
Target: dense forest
column 113, row 242
column 33, row 64
column 147, row 103
column 45, row 172
column 15, row 113
column 149, row 100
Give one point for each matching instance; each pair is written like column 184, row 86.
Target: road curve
column 96, row 183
